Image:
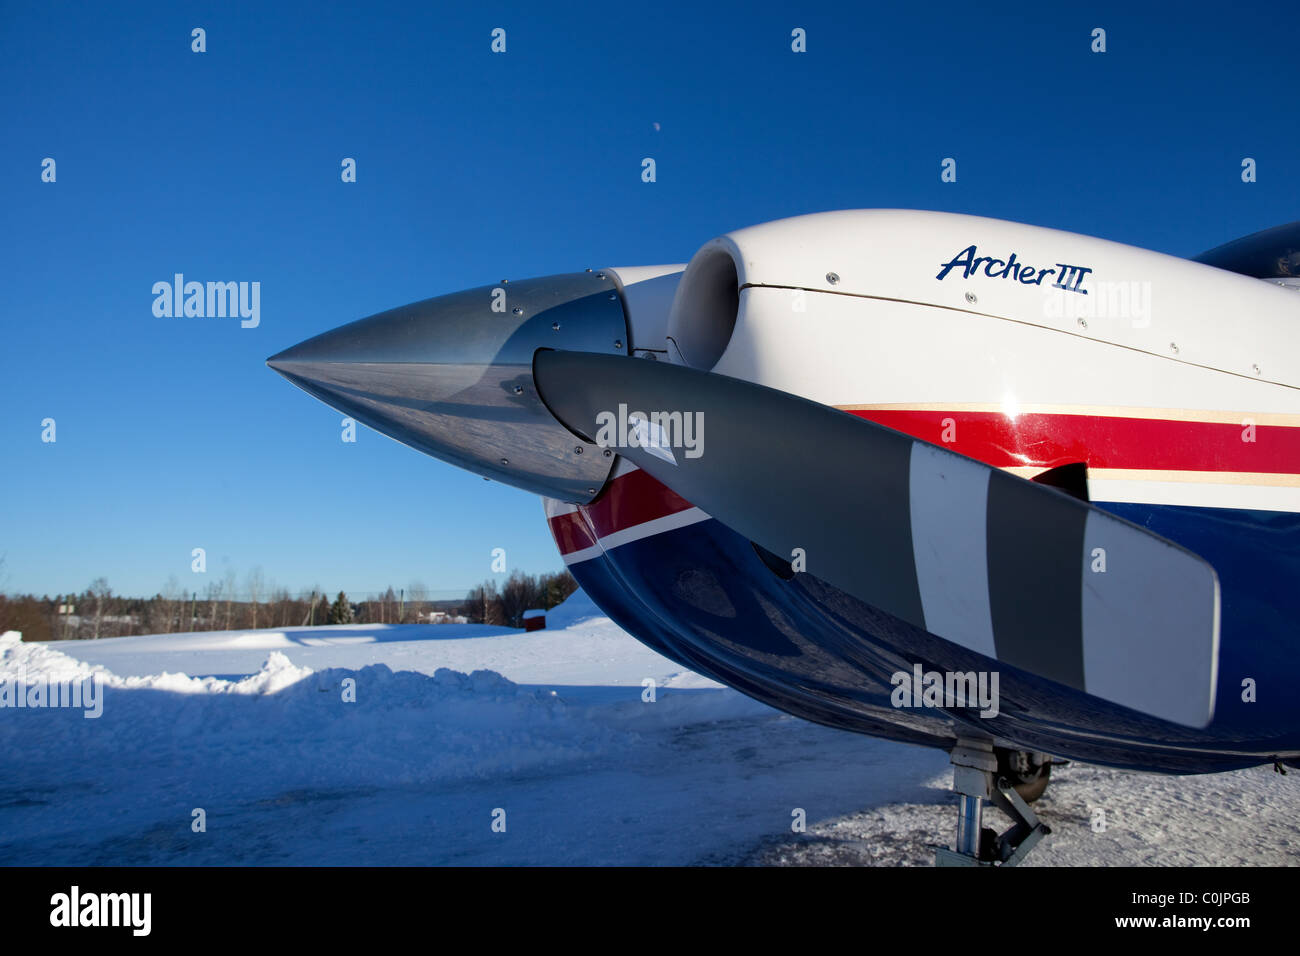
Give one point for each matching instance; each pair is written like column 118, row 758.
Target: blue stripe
column 702, row 596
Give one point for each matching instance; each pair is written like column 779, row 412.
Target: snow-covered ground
column 454, row 727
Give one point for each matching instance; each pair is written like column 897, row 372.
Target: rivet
column 1083, row 322
column 618, row 343
column 555, row 326
column 518, row 311
column 970, row 297
column 613, row 296
column 591, row 491
column 505, row 461
column 519, row 390
column 1173, row 346
column 600, row 275
column 1256, row 368
column 504, row 281
column 608, row 453
column 588, row 270
column 832, row 278
column 577, row 449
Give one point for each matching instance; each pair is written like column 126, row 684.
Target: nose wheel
column 980, row 773
column 1027, row 772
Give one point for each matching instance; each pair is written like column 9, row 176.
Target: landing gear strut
column 976, row 777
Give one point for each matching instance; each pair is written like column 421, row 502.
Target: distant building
column 534, row 620
column 442, row 617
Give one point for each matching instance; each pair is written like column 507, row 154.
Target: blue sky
column 474, row 166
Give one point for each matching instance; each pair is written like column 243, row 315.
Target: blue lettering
column 1069, row 278
column 962, row 259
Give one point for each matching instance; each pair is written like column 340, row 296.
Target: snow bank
column 286, row 726
column 22, row 663
column 577, row 607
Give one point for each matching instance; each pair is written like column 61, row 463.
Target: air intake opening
column 705, row 307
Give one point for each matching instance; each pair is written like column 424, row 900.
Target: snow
column 397, row 744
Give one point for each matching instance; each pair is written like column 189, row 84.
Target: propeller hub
column 452, row 377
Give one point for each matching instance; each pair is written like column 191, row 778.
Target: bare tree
column 173, row 601
column 311, row 598
column 483, row 604
column 228, row 585
column 280, row 599
column 518, row 595
column 101, row 592
column 256, row 585
column 417, row 594
column 214, row 599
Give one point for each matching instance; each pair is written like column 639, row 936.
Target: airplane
column 1021, row 494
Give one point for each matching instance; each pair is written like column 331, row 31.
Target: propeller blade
column 1018, row 571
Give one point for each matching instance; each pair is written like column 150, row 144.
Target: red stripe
column 1036, row 439
column 631, row 499
column 1050, row 439
column 571, row 532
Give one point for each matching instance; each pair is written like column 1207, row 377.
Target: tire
column 1028, row 779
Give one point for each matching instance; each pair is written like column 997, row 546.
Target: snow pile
column 19, row 660
column 574, row 609
column 23, row 664
column 303, row 727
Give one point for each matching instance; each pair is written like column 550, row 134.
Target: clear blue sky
column 172, row 434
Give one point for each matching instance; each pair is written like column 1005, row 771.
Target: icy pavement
column 418, row 744
column 1098, row 816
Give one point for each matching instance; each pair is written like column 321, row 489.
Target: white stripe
column 635, row 533
column 586, row 554
column 1248, row 497
column 1150, row 623
column 659, row 525
column 949, row 505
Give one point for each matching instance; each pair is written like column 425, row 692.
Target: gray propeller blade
column 1018, row 571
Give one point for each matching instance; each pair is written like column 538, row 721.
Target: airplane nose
column 452, row 377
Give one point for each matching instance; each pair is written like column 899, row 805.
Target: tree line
column 223, row 605
column 505, row 605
